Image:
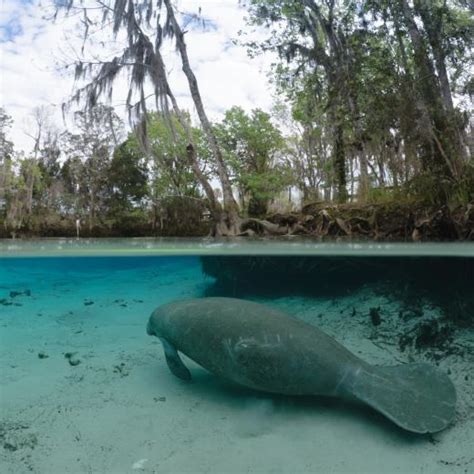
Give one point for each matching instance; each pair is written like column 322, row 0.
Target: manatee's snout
column 149, row 327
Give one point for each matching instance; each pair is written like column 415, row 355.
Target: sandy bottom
column 85, row 390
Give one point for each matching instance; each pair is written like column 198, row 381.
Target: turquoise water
column 85, row 389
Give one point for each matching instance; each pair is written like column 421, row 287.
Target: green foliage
column 435, row 191
column 166, row 156
column 6, row 146
column 376, row 79
column 126, row 179
column 386, row 195
column 463, row 193
column 123, row 189
column 252, row 146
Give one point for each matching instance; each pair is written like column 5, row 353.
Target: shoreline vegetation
column 389, row 221
column 370, row 135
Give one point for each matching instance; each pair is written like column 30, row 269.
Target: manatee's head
column 161, row 321
column 149, row 327
column 156, row 321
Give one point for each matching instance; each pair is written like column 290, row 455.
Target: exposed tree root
column 392, row 222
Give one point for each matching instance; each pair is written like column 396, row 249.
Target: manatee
column 264, row 349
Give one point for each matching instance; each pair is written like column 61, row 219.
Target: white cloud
column 33, row 43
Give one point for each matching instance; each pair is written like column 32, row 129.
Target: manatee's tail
column 416, row 397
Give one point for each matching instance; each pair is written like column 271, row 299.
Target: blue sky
column 10, row 29
column 34, row 50
column 10, row 24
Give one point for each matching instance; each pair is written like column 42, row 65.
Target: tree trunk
column 363, row 190
column 339, row 161
column 30, row 184
column 433, row 25
column 381, row 166
column 231, row 218
column 215, row 208
column 159, row 76
column 214, row 205
column 91, row 209
column 442, row 149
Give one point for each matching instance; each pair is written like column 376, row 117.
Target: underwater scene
column 195, row 357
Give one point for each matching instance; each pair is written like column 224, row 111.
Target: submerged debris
column 375, row 316
column 430, row 334
column 14, row 294
column 121, row 369
column 410, row 312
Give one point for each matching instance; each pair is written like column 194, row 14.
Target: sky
column 34, row 50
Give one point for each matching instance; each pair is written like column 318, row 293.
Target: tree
column 15, row 189
column 312, row 36
column 444, row 149
column 126, row 179
column 49, row 163
column 42, row 181
column 90, row 149
column 307, row 147
column 383, row 74
column 71, row 178
column 6, row 165
column 172, row 182
column 252, row 145
column 6, row 146
column 171, row 170
column 140, row 19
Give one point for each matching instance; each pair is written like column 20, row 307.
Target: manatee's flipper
column 416, row 397
column 174, row 362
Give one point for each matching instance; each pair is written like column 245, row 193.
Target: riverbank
column 392, row 221
column 401, row 222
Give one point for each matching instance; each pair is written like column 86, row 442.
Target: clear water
column 85, row 389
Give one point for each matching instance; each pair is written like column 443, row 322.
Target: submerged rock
column 14, row 294
column 72, row 359
column 14, row 436
column 374, row 314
